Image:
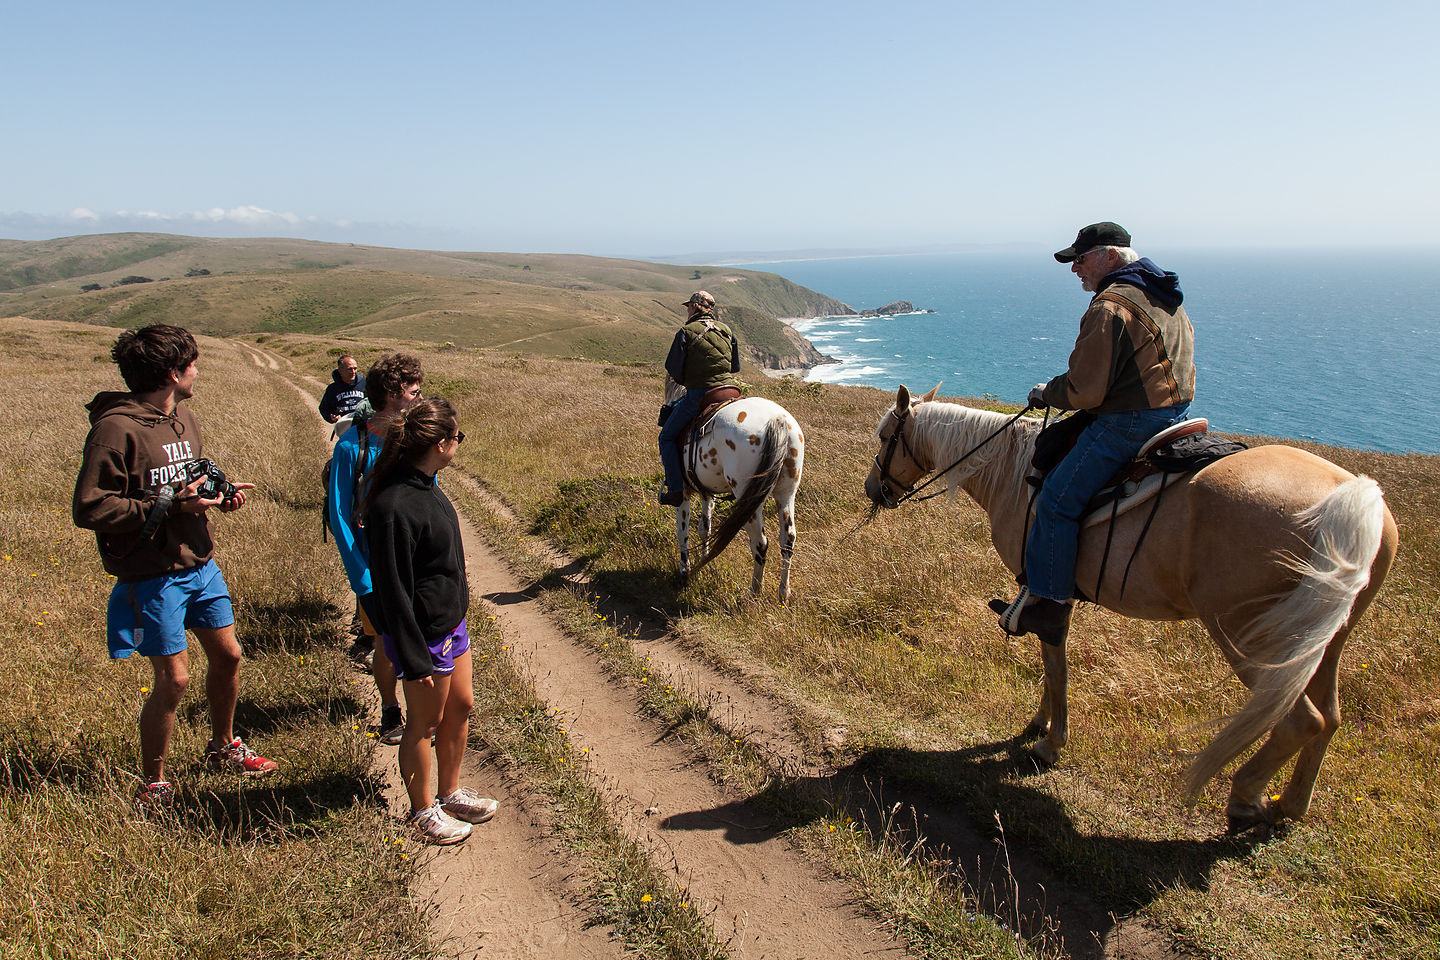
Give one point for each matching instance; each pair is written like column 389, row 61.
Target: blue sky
column 653, row 129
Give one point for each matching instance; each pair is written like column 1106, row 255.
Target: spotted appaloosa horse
column 1276, row 551
column 755, row 450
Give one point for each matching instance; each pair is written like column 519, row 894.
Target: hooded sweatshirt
column 133, row 449
column 1136, row 348
column 341, row 397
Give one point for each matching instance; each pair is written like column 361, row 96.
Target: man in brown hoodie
column 1132, row 370
column 153, row 532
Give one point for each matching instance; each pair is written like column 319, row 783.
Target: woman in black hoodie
column 417, row 566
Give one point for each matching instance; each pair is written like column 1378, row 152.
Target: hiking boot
column 238, row 758
column 436, row 826
column 362, row 653
column 392, row 725
column 465, row 804
column 154, row 798
column 1047, row 619
column 672, row 496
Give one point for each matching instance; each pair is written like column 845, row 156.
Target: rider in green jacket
column 704, row 355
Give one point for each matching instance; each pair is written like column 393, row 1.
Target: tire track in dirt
column 761, row 895
column 503, row 894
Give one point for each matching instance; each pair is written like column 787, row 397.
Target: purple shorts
column 443, row 651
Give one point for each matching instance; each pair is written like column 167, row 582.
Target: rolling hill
column 549, row 304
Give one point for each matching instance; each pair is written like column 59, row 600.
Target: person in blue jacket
column 391, row 387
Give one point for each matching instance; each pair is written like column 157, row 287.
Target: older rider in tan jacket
column 1133, row 368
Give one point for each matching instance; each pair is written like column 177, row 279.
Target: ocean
column 1338, row 348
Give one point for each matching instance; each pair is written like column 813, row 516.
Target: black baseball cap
column 1102, row 234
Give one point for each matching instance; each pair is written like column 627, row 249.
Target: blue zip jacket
column 356, row 445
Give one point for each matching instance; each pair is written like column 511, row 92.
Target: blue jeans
column 1103, row 447
column 684, row 411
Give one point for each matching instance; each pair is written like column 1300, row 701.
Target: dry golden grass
column 889, row 637
column 301, row 863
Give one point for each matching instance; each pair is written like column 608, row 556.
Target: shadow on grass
column 292, row 626
column 208, row 803
column 255, row 719
column 257, row 811
column 1038, row 872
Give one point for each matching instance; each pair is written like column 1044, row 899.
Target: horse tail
column 1288, row 640
column 762, row 483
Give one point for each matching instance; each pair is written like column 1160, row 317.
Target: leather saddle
column 1130, row 478
column 710, row 404
column 1168, row 452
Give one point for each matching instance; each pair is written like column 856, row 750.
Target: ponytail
column 406, row 439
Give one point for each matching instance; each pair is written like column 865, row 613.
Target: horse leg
column 1047, row 748
column 1040, row 723
column 682, row 534
column 1324, row 693
column 707, row 514
column 1248, row 805
column 787, row 546
column 1306, row 730
column 755, row 530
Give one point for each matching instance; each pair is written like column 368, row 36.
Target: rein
column 898, row 437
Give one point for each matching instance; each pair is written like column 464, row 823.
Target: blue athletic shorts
column 150, row 617
column 443, row 651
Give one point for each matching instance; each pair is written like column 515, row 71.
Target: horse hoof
column 1243, row 818
column 1045, row 754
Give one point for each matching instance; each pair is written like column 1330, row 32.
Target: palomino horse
column 1276, row 551
column 753, row 449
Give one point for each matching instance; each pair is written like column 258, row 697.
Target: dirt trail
column 765, row 898
column 769, row 900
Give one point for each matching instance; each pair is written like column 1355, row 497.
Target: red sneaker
column 154, row 798
column 238, row 758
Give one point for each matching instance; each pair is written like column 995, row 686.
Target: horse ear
column 902, row 399
column 931, row 395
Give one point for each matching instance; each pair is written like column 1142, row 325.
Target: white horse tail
column 1288, row 640
column 767, row 474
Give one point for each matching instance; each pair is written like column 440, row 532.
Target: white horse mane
column 948, row 431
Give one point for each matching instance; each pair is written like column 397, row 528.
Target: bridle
column 897, row 439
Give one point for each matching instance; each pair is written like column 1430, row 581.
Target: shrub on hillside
column 90, row 286
column 132, row 279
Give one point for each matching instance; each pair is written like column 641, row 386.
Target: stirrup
column 1010, row 615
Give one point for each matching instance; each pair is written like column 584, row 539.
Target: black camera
column 213, row 483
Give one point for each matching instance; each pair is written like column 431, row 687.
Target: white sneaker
column 436, row 826
column 465, row 804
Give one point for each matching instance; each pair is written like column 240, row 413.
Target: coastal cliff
column 772, row 343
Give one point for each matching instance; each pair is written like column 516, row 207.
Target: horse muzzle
column 880, row 493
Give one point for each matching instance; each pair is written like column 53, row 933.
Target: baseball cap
column 1102, row 234
column 701, row 299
